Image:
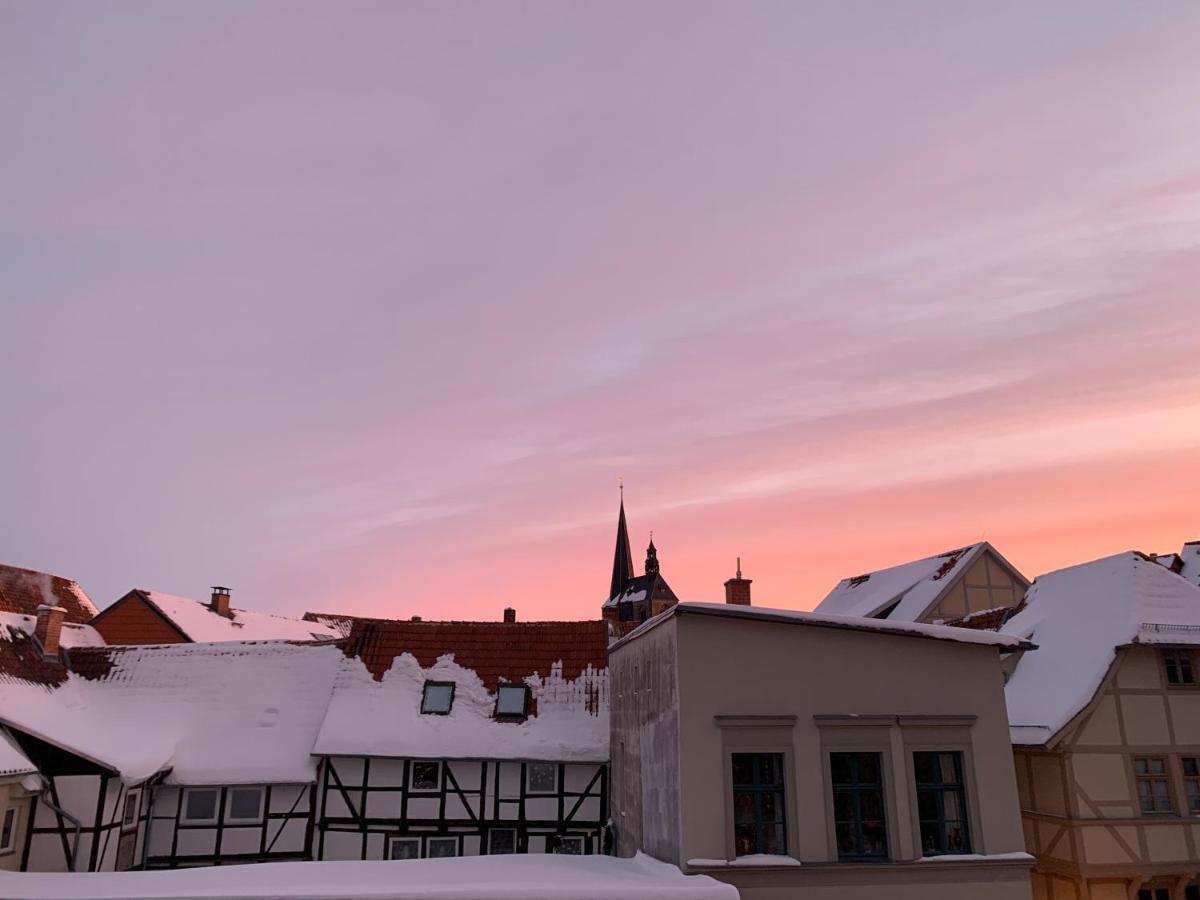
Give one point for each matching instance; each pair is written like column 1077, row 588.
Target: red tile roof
column 24, row 590
column 496, row 651
column 21, row 659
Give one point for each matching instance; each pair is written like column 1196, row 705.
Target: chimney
column 415, row 619
column 510, row 615
column 49, row 628
column 737, row 589
column 220, row 602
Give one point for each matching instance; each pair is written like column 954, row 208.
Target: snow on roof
column 1185, row 563
column 1078, row 617
column 534, row 876
column 211, row 713
column 370, row 717
column 821, row 620
column 12, row 760
column 915, row 586
column 72, row 634
column 338, row 622
column 198, row 621
column 24, row 590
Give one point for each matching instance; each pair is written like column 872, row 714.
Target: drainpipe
column 45, row 798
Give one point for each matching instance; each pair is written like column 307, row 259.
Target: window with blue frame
column 941, row 803
column 759, row 824
column 858, row 805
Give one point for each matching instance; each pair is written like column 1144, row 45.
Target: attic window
column 1179, row 668
column 512, row 701
column 438, row 698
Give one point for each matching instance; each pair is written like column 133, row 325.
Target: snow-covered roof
column 210, row 713
column 911, row 587
column 821, row 620
column 1185, row 563
column 12, row 761
column 24, row 590
column 534, row 876
column 200, row 623
column 71, row 635
column 1078, row 617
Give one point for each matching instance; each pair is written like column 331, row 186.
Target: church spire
column 651, row 557
column 622, row 556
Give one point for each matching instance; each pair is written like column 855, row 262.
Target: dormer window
column 438, row 698
column 1179, row 667
column 512, row 701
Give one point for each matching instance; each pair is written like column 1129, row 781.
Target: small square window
column 1179, row 667
column 404, row 848
column 8, row 830
column 129, row 814
column 245, row 804
column 438, row 698
column 200, row 805
column 502, row 840
column 512, row 700
column 569, row 845
column 441, row 847
column 541, row 778
column 426, row 776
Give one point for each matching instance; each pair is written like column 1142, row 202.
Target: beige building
column 969, row 581
column 1106, row 731
column 800, row 755
column 17, row 775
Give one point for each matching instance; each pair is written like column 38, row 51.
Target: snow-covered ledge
column 1019, row 856
column 753, row 861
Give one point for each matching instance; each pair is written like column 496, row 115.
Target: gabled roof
column 196, row 621
column 21, row 659
column 495, row 651
column 905, row 592
column 650, row 586
column 1079, row 617
column 24, row 590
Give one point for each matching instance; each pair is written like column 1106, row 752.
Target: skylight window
column 438, row 698
column 512, row 700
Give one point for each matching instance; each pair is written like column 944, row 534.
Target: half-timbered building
column 466, row 738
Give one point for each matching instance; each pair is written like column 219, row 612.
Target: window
column 1178, row 664
column 1191, row 785
column 858, row 805
column 426, row 776
column 541, row 778
column 502, row 840
column 569, row 845
column 1191, row 892
column 200, row 805
column 758, row 801
column 438, row 698
column 245, row 804
column 440, row 847
column 512, row 700
column 404, row 848
column 8, row 831
column 129, row 814
column 941, row 803
column 1155, row 894
column 1154, row 787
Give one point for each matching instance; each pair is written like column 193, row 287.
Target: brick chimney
column 49, row 628
column 510, row 615
column 220, row 602
column 737, row 589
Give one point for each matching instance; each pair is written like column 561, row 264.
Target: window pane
column 571, row 846
column 1157, row 766
column 1140, row 765
column 927, row 807
column 840, row 768
column 744, row 810
column 437, row 698
column 407, row 848
column 773, row 839
column 7, row 831
column 440, row 848
column 743, row 768
column 202, row 805
column 1191, row 766
column 131, row 805
column 426, row 775
column 502, row 840
column 245, row 803
column 930, row 837
column 868, row 768
column 924, row 768
column 843, row 806
column 542, row 777
column 874, row 838
column 956, row 837
column 872, row 804
column 771, row 807
column 744, row 840
column 510, row 700
column 770, row 769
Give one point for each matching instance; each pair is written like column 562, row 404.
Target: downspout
column 45, row 798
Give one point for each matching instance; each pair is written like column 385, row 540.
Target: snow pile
column 212, row 713
column 631, row 594
column 885, row 626
column 568, row 720
column 12, row 760
column 1078, row 617
column 913, row 585
column 201, row 624
column 516, row 877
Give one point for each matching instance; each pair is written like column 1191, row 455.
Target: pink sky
column 368, row 306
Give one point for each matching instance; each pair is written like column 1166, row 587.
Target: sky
column 367, row 307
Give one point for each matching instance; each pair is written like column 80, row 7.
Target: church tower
column 632, row 599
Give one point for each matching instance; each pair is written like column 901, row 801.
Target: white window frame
column 14, row 813
column 135, row 794
column 492, row 831
column 529, row 779
column 443, row 837
column 392, row 841
column 262, row 800
column 412, row 780
column 574, row 838
column 185, row 819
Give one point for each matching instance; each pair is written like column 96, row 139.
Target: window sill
column 753, row 861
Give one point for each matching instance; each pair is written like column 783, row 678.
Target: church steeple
column 651, row 557
column 622, row 557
